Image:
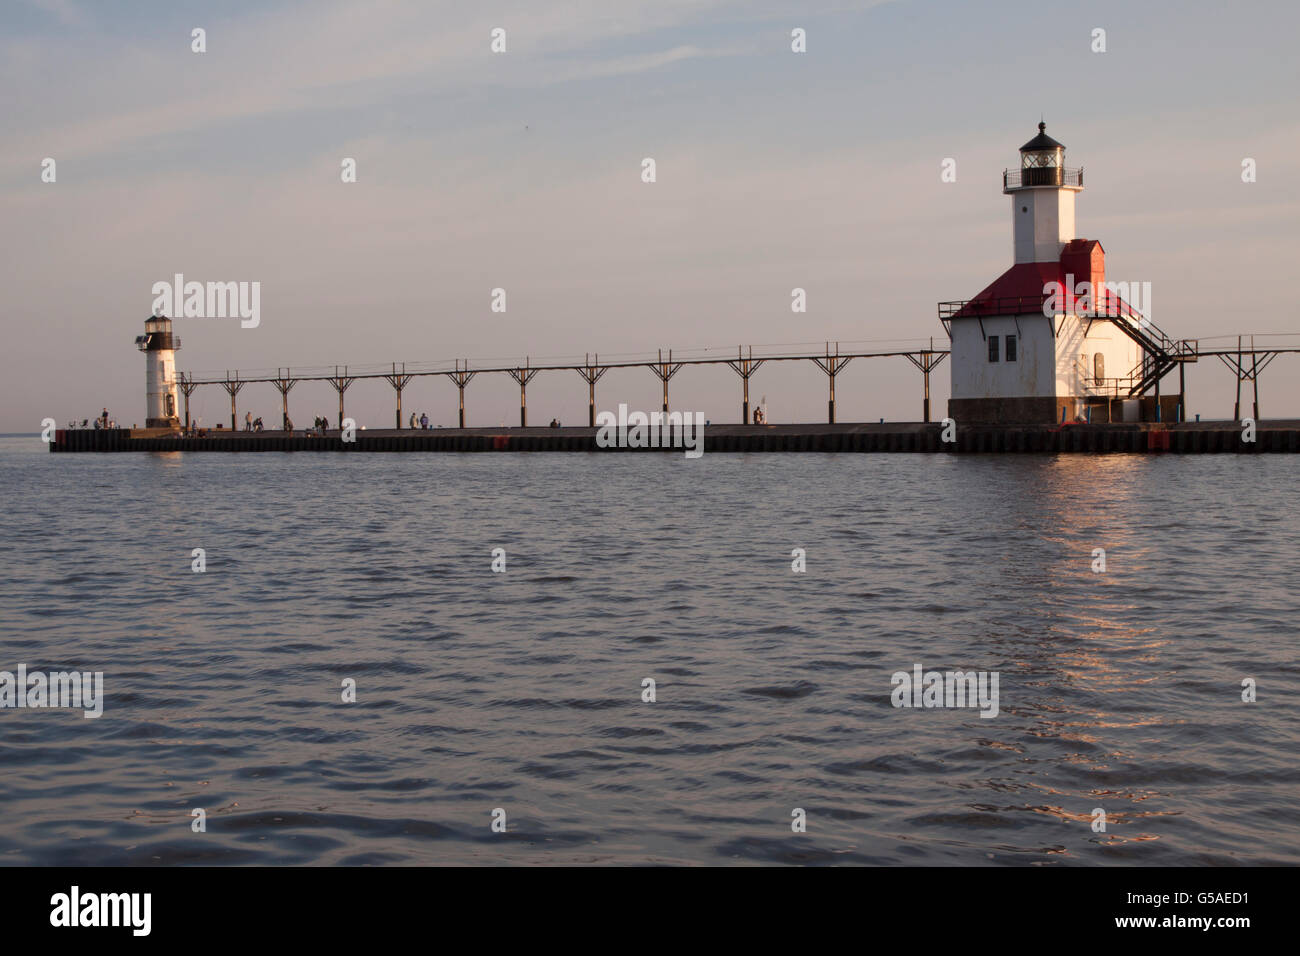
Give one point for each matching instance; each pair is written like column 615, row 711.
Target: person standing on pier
column 412, row 421
column 424, row 420
column 248, row 421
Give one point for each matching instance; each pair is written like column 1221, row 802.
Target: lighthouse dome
column 1041, row 142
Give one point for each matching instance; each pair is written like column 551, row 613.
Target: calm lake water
column 522, row 690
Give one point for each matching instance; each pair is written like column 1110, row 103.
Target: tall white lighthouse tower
column 159, row 347
column 1036, row 345
column 1042, row 199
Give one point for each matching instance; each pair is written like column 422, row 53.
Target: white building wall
column 1042, row 221
column 1076, row 357
column 160, row 382
column 1032, row 375
column 1046, row 366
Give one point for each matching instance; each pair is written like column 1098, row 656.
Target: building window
column 1011, row 348
column 993, row 348
column 1099, row 366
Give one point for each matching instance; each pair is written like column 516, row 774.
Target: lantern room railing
column 1042, row 176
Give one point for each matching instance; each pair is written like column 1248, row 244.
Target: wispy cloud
column 320, row 56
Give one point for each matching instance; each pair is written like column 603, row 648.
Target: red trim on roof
column 1019, row 290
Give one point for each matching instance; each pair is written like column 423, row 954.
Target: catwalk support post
column 461, row 376
column 523, row 376
column 284, row 381
column 664, row 371
column 187, row 387
column 832, row 365
column 591, row 372
column 398, row 380
column 926, row 360
column 341, row 383
column 744, row 366
column 232, row 386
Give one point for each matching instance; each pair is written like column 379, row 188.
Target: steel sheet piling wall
column 1201, row 438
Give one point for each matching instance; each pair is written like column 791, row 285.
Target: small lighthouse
column 1049, row 340
column 159, row 347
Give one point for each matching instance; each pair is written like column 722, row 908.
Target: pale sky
column 522, row 170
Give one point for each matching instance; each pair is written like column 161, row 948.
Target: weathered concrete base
column 1187, row 438
column 1052, row 411
column 1027, row 410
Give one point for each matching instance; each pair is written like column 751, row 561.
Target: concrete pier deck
column 1181, row 438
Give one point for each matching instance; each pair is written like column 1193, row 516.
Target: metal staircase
column 1160, row 353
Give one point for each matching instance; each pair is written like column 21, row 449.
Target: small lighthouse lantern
column 159, row 346
column 1042, row 163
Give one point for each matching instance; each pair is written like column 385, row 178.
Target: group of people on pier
column 99, row 421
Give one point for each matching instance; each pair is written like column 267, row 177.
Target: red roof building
column 1048, row 340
